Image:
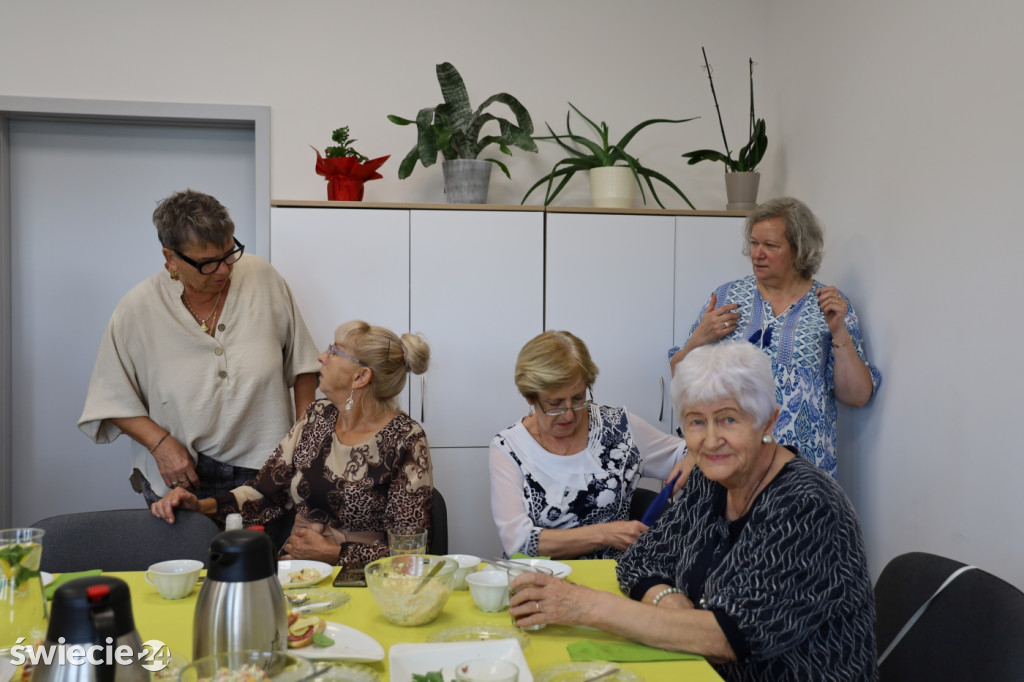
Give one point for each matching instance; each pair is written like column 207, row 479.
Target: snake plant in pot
column 741, row 178
column 601, row 157
column 455, row 130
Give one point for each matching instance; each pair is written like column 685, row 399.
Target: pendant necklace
column 202, row 320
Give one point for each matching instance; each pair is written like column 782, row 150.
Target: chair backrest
column 438, row 526
column 122, row 540
column 973, row 630
column 642, row 498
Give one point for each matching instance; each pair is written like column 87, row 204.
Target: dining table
column 170, row 621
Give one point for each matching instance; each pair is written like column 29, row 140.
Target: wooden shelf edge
column 290, row 203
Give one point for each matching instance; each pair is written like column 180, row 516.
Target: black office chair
column 438, row 526
column 972, row 630
column 642, row 498
column 122, row 540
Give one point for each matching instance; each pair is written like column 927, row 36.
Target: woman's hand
column 682, row 467
column 621, row 534
column 306, row 543
column 176, row 465
column 177, row 498
column 715, row 324
column 544, row 599
column 833, row 307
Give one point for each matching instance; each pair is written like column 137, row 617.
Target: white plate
column 404, row 660
column 559, row 569
column 47, row 578
column 293, row 565
column 349, row 645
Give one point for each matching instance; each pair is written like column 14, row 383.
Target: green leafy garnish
column 434, row 676
column 322, row 640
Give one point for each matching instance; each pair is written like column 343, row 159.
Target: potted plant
column 454, row 130
column 741, row 178
column 603, row 158
column 345, row 169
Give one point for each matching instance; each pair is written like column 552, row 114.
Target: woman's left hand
column 544, row 599
column 305, row 543
column 833, row 307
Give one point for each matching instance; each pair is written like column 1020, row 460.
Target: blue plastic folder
column 651, row 515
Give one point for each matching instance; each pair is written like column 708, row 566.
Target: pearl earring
column 766, row 439
column 349, row 403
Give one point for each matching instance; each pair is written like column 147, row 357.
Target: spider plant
column 585, row 153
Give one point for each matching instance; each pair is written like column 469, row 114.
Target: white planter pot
column 612, row 187
column 466, row 180
column 741, row 190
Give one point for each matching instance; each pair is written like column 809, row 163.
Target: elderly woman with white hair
column 759, row 566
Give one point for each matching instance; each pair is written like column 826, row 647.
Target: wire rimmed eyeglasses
column 208, row 267
column 333, row 349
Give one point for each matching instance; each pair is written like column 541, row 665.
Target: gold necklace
column 759, row 482
column 572, row 439
column 202, row 320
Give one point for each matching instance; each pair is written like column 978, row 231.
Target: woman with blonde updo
column 353, row 466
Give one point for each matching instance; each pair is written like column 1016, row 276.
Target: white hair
column 734, row 370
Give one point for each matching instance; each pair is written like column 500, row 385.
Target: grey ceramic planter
column 466, row 180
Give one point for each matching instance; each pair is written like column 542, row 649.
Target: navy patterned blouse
column 788, row 583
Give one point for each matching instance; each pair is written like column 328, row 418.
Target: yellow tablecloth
column 171, row 623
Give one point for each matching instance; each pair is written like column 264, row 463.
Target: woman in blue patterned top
column 563, row 476
column 808, row 329
column 759, row 566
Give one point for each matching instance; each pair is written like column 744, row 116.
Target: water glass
column 513, row 573
column 487, row 670
column 407, row 541
column 22, row 602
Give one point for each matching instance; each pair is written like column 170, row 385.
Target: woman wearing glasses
column 808, row 329
column 353, row 466
column 562, row 477
column 197, row 362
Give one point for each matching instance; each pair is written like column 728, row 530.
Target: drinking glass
column 407, row 541
column 515, row 571
column 22, row 602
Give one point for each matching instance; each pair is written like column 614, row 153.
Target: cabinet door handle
column 423, row 399
column 661, row 410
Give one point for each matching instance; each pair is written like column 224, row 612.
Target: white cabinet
column 478, row 284
column 610, row 282
column 476, row 294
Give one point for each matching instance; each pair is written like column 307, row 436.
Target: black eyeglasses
column 208, row 267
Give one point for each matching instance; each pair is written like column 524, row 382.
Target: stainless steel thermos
column 92, row 612
column 241, row 604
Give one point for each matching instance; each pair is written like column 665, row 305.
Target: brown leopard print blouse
column 384, row 483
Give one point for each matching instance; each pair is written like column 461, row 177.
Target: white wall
column 897, row 122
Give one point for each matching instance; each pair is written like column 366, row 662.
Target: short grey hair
column 190, row 218
column 803, row 232
column 734, row 370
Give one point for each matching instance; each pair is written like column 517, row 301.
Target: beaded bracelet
column 153, row 449
column 666, row 591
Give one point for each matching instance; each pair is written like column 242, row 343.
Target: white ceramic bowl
column 467, row 564
column 489, row 590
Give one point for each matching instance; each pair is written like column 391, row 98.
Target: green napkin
column 64, row 577
column 623, row 652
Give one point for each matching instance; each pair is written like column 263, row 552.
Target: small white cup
column 467, row 564
column 487, row 670
column 174, row 579
column 489, row 590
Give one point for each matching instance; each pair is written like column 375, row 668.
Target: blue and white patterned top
column 788, row 583
column 533, row 489
column 799, row 343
